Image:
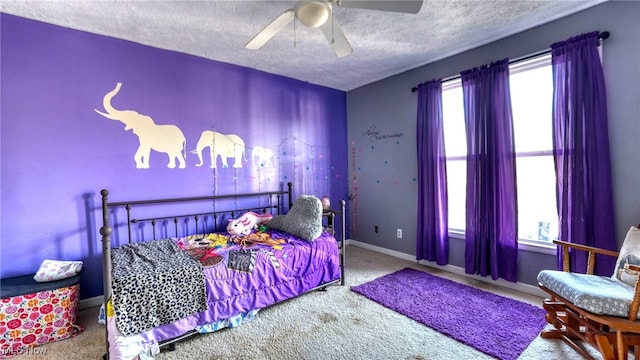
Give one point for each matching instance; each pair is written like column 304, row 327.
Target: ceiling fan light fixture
column 313, row 13
column 316, row 14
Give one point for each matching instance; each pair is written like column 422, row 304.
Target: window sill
column 537, row 246
column 523, row 244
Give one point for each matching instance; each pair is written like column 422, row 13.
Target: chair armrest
column 592, row 251
column 634, row 267
column 586, row 248
column 635, row 302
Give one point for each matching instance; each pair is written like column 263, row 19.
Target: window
column 455, row 145
column 531, row 102
column 531, row 85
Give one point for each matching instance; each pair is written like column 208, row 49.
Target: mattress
column 242, row 276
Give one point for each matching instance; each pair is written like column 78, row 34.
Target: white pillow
column 629, row 254
column 52, row 270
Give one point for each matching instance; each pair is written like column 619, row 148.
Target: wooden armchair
column 597, row 310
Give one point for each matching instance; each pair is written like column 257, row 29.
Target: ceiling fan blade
column 336, row 38
column 403, row 6
column 270, row 30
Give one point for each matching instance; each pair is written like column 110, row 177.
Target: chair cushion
column 629, row 254
column 598, row 294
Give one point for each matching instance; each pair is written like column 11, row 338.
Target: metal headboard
column 107, row 230
column 128, row 206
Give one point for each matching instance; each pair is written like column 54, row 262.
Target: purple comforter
column 277, row 273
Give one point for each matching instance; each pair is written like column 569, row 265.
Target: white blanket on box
column 52, row 270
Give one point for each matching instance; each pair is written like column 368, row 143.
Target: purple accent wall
column 57, row 152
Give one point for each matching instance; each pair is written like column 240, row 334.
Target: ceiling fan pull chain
column 333, row 38
column 295, row 43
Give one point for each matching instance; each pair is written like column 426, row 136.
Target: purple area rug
column 496, row 325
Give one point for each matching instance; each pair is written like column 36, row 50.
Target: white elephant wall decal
column 168, row 139
column 263, row 156
column 222, row 145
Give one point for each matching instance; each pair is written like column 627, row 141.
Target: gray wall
column 383, row 171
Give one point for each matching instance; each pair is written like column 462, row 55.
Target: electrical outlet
column 399, row 233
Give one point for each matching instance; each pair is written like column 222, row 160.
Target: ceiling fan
column 319, row 14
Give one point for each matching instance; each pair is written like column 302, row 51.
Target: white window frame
column 541, row 246
column 521, row 66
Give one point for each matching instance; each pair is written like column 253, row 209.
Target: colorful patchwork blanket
column 237, row 252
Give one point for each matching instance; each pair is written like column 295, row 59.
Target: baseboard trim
column 522, row 287
column 90, row 302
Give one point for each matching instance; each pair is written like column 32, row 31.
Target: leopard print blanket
column 154, row 283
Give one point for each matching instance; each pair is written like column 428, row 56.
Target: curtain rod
column 602, row 36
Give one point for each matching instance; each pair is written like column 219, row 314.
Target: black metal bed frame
column 107, row 230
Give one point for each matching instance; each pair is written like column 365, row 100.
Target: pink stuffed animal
column 247, row 222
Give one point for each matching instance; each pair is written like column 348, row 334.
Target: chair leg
column 553, row 309
column 622, row 346
column 605, row 347
column 552, row 333
column 579, row 349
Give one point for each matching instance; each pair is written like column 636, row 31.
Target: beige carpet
column 336, row 324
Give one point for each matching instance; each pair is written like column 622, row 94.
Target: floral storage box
column 35, row 313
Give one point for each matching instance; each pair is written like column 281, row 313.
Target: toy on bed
column 247, row 222
column 304, row 219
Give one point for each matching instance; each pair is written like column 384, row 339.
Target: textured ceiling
column 384, row 43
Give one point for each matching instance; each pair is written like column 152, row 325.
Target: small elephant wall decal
column 222, row 145
column 264, row 156
column 168, row 139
